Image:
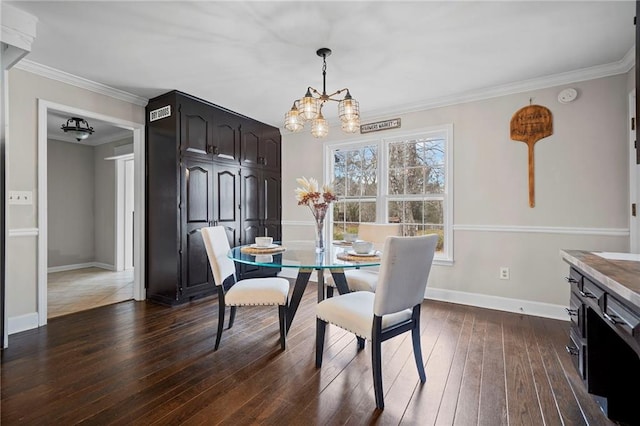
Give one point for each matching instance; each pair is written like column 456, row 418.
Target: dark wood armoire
column 205, row 166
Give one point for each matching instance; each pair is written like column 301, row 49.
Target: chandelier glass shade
column 80, row 130
column 309, row 107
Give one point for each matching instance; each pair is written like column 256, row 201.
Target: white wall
column 25, row 89
column 581, row 184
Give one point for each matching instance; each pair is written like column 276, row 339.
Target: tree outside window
column 400, row 180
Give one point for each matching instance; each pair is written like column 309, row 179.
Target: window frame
column 382, row 199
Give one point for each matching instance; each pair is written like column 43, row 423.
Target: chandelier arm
column 314, row 91
column 337, row 92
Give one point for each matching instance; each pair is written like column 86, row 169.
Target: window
column 405, row 179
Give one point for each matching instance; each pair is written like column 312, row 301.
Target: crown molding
column 83, row 83
column 622, row 66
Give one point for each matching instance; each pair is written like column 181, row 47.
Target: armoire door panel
column 250, row 148
column 251, row 194
column 272, row 195
column 198, row 271
column 198, row 193
column 270, row 153
column 227, row 195
column 225, row 142
column 194, row 133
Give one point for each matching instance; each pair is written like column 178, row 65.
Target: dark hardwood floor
column 141, row 363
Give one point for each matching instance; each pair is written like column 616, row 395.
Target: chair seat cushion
column 354, row 312
column 258, row 291
column 357, row 279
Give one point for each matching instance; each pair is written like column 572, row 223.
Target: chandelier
column 80, row 130
column 309, row 108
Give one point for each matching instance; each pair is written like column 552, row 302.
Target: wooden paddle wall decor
column 529, row 125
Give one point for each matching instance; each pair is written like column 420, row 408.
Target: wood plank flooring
column 137, row 363
column 81, row 289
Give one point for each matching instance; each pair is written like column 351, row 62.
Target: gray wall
column 71, row 187
column 25, row 89
column 81, row 198
column 581, row 183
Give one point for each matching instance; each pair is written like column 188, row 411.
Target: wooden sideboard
column 604, row 339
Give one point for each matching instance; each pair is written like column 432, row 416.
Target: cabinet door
column 251, row 214
column 271, row 204
column 269, row 152
column 226, row 193
column 196, row 211
column 250, row 145
column 261, row 146
column 226, row 137
column 195, row 128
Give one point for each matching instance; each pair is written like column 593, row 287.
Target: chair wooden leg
column 282, row 315
column 376, row 361
column 232, row 316
column 321, row 327
column 360, row 342
column 221, row 309
column 417, row 347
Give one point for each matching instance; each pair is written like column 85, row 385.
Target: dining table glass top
column 302, row 254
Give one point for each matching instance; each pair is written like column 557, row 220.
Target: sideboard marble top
column 620, row 276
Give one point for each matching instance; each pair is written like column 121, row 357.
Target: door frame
column 122, row 189
column 139, row 172
column 634, row 179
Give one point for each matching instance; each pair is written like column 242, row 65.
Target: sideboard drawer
column 592, row 294
column 576, row 313
column 577, row 350
column 623, row 319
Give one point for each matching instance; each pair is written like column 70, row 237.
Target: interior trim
column 24, row 232
column 615, row 68
column 83, row 83
column 505, row 304
column 607, row 232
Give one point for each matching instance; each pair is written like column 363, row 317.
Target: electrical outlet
column 504, row 273
column 20, row 197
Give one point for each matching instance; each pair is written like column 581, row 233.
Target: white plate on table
column 342, row 243
column 270, row 246
column 370, row 254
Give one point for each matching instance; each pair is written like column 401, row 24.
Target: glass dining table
column 301, row 255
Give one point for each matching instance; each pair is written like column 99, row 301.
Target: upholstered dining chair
column 393, row 308
column 366, row 278
column 252, row 291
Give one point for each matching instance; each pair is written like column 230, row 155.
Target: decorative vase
column 320, row 213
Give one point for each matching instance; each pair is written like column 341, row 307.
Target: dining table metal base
column 304, row 275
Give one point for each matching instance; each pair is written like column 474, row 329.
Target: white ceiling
column 257, row 57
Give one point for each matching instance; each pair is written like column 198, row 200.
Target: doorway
column 136, row 197
column 85, row 195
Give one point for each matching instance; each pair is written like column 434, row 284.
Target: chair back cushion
column 217, row 245
column 402, row 281
column 378, row 232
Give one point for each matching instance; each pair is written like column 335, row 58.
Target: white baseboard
column 22, row 323
column 80, row 266
column 525, row 307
